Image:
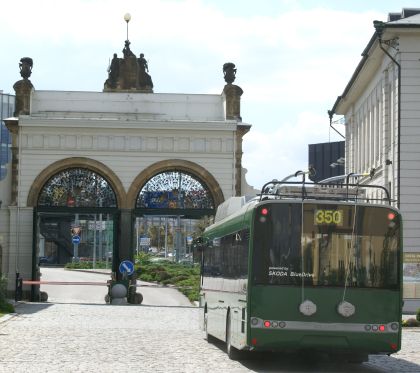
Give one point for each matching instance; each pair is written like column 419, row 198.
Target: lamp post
column 127, row 18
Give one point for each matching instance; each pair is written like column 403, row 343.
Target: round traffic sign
column 75, row 239
column 126, row 267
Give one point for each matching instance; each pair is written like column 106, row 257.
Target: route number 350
column 323, row 217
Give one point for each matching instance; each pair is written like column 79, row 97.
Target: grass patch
column 87, row 265
column 185, row 277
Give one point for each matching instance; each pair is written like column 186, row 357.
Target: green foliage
column 87, row 265
column 3, row 287
column 143, row 258
column 5, row 307
column 202, row 224
column 418, row 315
column 185, row 278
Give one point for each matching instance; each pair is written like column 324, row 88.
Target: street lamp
column 127, row 18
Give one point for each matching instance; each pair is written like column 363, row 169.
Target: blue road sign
column 75, row 239
column 126, row 267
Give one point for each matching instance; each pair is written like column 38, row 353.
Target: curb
column 7, row 317
column 99, row 271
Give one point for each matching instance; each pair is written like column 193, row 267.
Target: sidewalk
column 102, row 271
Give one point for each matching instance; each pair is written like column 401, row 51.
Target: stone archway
column 171, row 165
column 77, row 162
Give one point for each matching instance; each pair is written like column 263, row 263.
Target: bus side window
column 243, row 248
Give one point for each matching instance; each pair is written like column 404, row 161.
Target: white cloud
column 276, row 154
column 293, row 61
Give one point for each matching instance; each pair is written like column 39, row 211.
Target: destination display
column 328, row 217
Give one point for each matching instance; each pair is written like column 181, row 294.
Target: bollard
column 18, row 287
column 117, row 292
column 133, row 296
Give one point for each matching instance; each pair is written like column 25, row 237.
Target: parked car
column 47, row 260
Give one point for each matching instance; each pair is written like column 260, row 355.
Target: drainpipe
column 380, row 27
column 331, row 114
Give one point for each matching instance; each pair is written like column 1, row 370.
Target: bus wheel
column 233, row 353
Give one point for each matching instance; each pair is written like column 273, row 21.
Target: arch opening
column 77, row 187
column 170, row 208
column 76, row 215
column 174, row 190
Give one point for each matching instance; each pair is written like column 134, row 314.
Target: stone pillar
column 233, row 95
column 20, row 253
column 12, row 125
column 125, row 243
column 23, row 89
column 241, row 130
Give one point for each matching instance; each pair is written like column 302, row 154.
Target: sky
column 293, row 58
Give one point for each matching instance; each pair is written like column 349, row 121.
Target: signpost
column 75, row 237
column 126, row 267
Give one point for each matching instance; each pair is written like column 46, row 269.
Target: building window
column 7, row 104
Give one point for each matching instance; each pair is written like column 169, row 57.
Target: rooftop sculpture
column 128, row 73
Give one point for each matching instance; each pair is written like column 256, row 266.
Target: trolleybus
column 305, row 266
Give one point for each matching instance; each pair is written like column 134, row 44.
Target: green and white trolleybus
column 305, row 266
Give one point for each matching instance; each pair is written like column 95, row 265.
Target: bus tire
column 233, row 353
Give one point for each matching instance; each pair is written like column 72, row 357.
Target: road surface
column 153, row 295
column 75, row 331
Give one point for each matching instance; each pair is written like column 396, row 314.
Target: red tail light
column 381, row 328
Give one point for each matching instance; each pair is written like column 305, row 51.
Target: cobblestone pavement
column 47, row 337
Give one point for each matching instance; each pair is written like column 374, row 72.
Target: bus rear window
column 338, row 245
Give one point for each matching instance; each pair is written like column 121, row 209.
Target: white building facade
column 7, row 103
column 125, row 136
column 381, row 106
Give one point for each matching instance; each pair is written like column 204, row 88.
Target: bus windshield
column 339, row 245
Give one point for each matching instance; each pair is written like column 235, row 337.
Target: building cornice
column 118, row 124
column 372, row 58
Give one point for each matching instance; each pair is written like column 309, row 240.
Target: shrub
column 142, row 258
column 5, row 307
column 3, row 287
column 418, row 315
column 184, row 277
column 411, row 322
